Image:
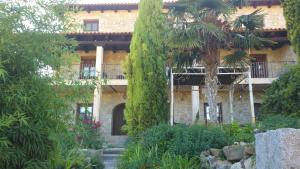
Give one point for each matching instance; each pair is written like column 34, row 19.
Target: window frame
column 91, row 21
column 85, row 105
column 220, row 118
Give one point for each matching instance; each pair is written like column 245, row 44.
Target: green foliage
column 179, row 162
column 291, row 10
column 240, row 133
column 88, row 135
column 272, row 122
column 137, row 157
column 147, row 84
column 185, row 140
column 283, row 97
column 34, row 103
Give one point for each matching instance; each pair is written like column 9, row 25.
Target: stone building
column 104, row 46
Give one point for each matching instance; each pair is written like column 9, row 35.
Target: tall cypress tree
column 147, row 83
column 291, row 9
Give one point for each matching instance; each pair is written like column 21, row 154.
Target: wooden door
column 118, row 120
column 259, row 66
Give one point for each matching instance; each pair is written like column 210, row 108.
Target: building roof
column 167, row 3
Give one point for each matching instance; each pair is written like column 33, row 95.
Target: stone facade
column 108, row 102
column 123, row 20
column 278, row 149
column 241, row 106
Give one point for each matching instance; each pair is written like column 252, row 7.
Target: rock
column 234, row 152
column 244, row 164
column 222, row 164
column 215, row 152
column 249, row 149
column 278, row 149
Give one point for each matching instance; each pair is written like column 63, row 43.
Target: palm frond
column 250, row 40
column 250, row 22
column 183, row 38
column 238, row 58
column 184, row 58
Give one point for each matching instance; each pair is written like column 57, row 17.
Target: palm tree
column 200, row 29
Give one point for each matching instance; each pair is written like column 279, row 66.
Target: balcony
column 269, row 69
column 112, row 71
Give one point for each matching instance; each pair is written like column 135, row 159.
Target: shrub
column 88, row 134
column 272, row 122
column 137, row 157
column 185, row 140
column 283, row 97
column 240, row 133
column 179, row 162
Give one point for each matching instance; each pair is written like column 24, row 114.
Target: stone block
column 278, row 149
column 215, row 152
column 234, row 152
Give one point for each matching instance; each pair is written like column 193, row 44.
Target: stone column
column 195, row 103
column 98, row 90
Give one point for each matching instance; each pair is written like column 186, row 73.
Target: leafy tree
column 200, row 29
column 34, row 102
column 291, row 9
column 283, row 97
column 147, row 85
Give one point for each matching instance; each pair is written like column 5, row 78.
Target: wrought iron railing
column 112, row 71
column 269, row 69
column 87, row 71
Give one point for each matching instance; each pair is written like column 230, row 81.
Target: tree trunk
column 211, row 81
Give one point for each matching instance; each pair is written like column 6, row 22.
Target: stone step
column 111, row 156
column 113, row 150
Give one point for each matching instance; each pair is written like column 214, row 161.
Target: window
column 257, row 109
column 88, row 69
column 91, row 25
column 206, row 112
column 85, row 112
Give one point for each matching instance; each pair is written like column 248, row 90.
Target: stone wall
column 123, row 20
column 109, row 101
column 278, row 149
column 241, row 106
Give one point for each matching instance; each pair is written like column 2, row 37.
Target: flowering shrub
column 88, row 134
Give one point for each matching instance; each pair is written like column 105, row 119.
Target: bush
column 283, row 97
column 179, row 162
column 185, row 140
column 138, row 157
column 240, row 133
column 88, row 134
column 272, row 122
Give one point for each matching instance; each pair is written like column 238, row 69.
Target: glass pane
column 82, row 110
column 94, row 27
column 86, row 71
column 92, row 71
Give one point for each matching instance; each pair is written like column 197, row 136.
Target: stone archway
column 118, row 120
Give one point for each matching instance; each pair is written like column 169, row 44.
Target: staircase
column 111, row 156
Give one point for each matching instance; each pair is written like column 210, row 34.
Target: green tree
column 199, row 29
column 291, row 9
column 283, row 96
column 34, row 102
column 147, row 84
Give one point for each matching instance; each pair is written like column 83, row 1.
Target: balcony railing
column 112, row 71
column 87, row 71
column 269, row 69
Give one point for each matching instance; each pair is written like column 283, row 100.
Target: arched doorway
column 118, row 120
